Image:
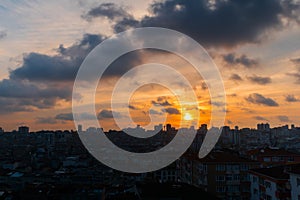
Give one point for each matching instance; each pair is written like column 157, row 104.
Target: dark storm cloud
column 234, row 60
column 224, row 23
column 283, row 118
column 259, row 79
column 43, row 80
column 291, row 98
column 171, row 111
column 60, row 67
column 235, row 77
column 125, row 24
column 109, row 10
column 11, row 88
column 259, row 99
column 260, row 118
column 13, row 105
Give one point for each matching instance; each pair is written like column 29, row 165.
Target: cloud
column 260, row 79
column 113, row 12
column 132, row 107
column 229, row 122
column 171, row 111
column 60, row 67
column 3, row 34
column 43, row 80
column 46, row 120
column 260, row 118
column 109, row 10
column 296, row 61
column 235, row 77
column 259, row 99
column 296, row 75
column 154, row 112
column 162, row 101
column 108, row 114
column 291, row 98
column 218, row 23
column 65, row 117
column 233, row 60
column 283, row 118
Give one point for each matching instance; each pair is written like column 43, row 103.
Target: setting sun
column 187, row 116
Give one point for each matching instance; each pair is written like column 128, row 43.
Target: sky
column 255, row 45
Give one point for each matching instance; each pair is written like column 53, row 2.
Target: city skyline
column 256, row 49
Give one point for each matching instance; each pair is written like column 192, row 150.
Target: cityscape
column 149, row 100
column 261, row 163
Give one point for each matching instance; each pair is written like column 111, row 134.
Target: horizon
column 40, row 56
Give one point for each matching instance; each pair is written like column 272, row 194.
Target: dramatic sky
column 255, row 44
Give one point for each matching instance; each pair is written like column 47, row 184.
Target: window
column 268, row 197
column 229, row 178
column 267, row 159
column 220, row 167
column 220, row 178
column 298, row 182
column 221, row 189
column 275, row 159
column 245, row 177
column 233, row 167
column 233, row 188
column 254, row 179
column 255, row 191
column 236, row 177
column 290, row 159
column 244, row 167
column 267, row 184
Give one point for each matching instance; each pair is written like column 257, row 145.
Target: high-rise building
column 263, row 127
column 23, row 129
column 169, row 127
column 79, row 129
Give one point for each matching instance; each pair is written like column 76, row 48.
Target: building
column 168, row 127
column 263, row 127
column 24, row 129
column 270, row 183
column 222, row 173
column 273, row 156
column 295, row 182
column 79, row 129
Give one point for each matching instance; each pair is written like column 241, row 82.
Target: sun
column 187, row 116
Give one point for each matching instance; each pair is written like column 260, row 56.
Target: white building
column 270, row 183
column 295, row 183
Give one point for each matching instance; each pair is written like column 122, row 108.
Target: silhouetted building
column 263, row 127
column 23, row 129
column 169, row 127
column 79, row 128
